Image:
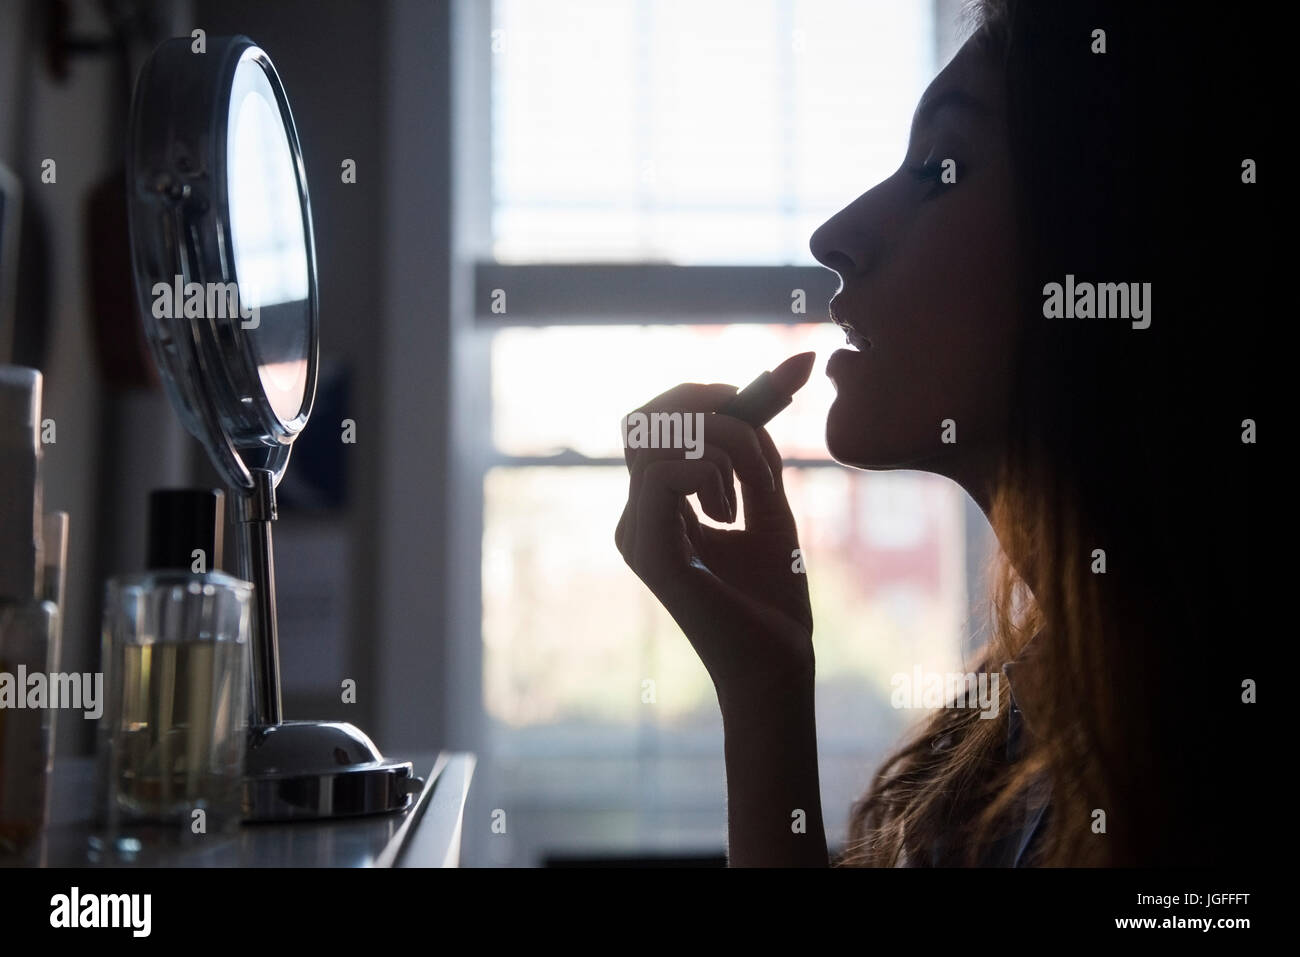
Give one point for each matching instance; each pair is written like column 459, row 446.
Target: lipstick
column 760, row 401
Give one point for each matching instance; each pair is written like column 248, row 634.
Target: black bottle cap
column 182, row 520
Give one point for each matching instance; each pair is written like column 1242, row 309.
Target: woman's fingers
column 740, row 439
column 655, row 554
column 693, row 396
column 691, row 522
column 687, row 398
column 768, row 509
column 715, row 498
column 707, row 457
column 709, row 436
column 712, row 453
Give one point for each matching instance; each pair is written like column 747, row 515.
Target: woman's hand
column 741, row 597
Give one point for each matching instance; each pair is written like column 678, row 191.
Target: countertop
column 427, row 834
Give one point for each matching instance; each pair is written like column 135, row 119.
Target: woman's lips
column 855, row 338
column 841, row 360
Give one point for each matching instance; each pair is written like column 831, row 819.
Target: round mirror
column 222, row 247
column 225, row 271
column 268, row 238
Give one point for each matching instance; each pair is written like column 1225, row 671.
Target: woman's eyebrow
column 953, row 96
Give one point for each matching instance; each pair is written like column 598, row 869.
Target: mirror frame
column 179, row 219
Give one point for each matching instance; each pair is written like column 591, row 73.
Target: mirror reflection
column 268, row 239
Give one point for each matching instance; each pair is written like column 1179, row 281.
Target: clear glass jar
column 174, row 729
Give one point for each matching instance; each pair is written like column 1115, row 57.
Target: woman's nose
column 833, row 245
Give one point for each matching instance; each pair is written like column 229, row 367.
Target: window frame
column 550, row 294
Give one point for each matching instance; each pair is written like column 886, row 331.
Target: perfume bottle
column 29, row 624
column 175, row 660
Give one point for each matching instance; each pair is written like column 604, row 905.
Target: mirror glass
column 220, row 218
column 268, row 239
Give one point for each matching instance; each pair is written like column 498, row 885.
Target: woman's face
column 927, row 288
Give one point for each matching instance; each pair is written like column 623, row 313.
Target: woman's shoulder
column 1019, row 846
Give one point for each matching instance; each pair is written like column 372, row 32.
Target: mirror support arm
column 255, row 510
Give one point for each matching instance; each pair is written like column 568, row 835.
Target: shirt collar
column 1018, row 664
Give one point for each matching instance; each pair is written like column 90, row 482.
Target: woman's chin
column 849, row 438
column 856, row 439
column 853, row 456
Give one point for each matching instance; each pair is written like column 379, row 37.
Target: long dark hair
column 1128, row 168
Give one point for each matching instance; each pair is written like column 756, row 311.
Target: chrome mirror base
column 301, row 770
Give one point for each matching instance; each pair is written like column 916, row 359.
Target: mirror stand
column 254, row 510
column 299, row 769
column 218, row 195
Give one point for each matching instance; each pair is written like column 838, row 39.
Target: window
column 694, row 132
column 656, row 169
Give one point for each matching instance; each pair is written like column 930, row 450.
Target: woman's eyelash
column 927, row 171
column 930, row 172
